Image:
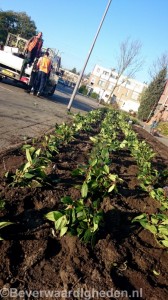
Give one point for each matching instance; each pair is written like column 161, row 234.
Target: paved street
column 162, row 139
column 24, row 116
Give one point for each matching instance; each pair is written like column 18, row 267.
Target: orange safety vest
column 34, row 42
column 44, row 64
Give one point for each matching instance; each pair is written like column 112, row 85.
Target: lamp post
column 90, row 51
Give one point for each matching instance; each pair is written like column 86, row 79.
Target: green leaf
column 38, row 152
column 61, row 222
column 4, row 224
column 93, row 139
column 94, row 185
column 165, row 243
column 111, row 188
column 95, row 226
column 63, row 230
column 28, row 175
column 165, row 222
column 7, row 174
column 149, row 227
column 123, row 144
column 87, row 236
column 106, row 169
column 153, row 194
column 163, row 229
column 35, row 183
column 156, row 273
column 79, row 231
column 140, row 217
column 2, row 204
column 84, row 190
column 93, row 162
column 26, row 166
column 154, row 220
column 67, row 200
column 112, row 177
column 53, row 215
column 28, row 156
column 80, row 214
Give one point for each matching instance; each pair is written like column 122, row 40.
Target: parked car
column 61, row 81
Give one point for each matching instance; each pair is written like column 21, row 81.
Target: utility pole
column 90, row 51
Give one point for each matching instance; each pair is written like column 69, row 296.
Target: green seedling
column 157, row 224
column 77, row 218
column 32, row 173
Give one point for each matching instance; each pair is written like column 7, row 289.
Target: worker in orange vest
column 44, row 67
column 32, row 50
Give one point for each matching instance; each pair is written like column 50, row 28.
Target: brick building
column 163, row 102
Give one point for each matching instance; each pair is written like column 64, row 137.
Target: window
column 92, row 81
column 135, row 95
column 101, row 83
column 111, row 85
column 98, row 70
column 113, row 76
column 105, row 73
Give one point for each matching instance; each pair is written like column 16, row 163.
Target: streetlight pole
column 90, row 51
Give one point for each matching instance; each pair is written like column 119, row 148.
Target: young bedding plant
column 157, row 224
column 98, row 178
column 160, row 195
column 50, row 146
column 78, row 219
column 64, row 133
column 4, row 223
column 32, row 173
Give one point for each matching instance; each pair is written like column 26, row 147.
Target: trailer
column 11, row 60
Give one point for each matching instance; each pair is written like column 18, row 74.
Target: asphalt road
column 24, row 116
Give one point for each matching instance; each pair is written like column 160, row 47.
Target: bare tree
column 158, row 65
column 129, row 62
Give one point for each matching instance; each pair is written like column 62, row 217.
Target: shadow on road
column 65, row 100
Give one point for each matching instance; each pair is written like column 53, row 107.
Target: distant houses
column 125, row 91
column 109, row 88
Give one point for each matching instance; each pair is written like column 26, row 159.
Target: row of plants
column 34, row 172
column 149, row 179
column 84, row 217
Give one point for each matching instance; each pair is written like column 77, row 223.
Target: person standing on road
column 44, row 67
column 32, row 50
column 157, row 118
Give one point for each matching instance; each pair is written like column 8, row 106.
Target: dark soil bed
column 125, row 257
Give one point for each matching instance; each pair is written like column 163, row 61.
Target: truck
column 11, row 60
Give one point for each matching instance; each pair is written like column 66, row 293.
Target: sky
column 70, row 26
